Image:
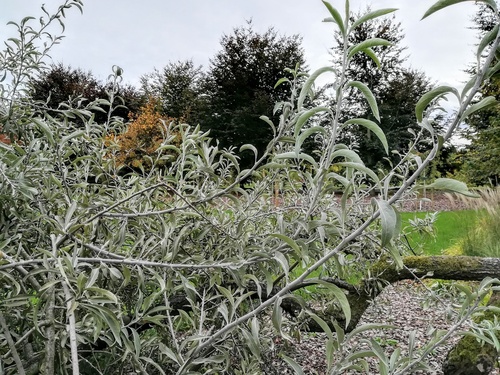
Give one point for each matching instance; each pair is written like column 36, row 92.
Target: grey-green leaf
column 306, row 89
column 341, row 299
column 446, row 3
column 428, row 97
column 372, row 15
column 370, row 98
column 374, row 128
column 389, row 217
column 484, row 103
column 306, row 116
column 369, row 43
column 294, row 365
column 336, row 17
column 454, row 186
column 487, row 39
column 361, row 168
column 371, row 54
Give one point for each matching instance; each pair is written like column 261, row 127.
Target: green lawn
column 449, row 227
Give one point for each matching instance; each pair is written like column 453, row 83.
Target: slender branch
column 143, row 263
column 124, row 200
column 72, row 329
column 12, row 346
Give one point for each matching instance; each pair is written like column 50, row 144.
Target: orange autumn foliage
column 146, row 132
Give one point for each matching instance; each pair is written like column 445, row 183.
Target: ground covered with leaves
column 404, row 305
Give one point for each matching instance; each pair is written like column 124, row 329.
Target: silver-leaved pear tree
column 195, row 267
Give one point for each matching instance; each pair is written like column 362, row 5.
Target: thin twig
column 12, row 346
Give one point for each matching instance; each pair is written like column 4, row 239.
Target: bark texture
column 470, row 357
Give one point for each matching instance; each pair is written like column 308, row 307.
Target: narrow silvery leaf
column 446, row 3
column 485, row 103
column 371, row 54
column 373, row 127
column 336, row 17
column 468, row 86
column 324, row 325
column 389, row 221
column 269, row 122
column 300, row 156
column 428, row 97
column 348, row 154
column 288, row 241
column 454, row 186
column 374, row 42
column 487, row 39
column 372, row 15
column 294, row 365
column 307, row 133
column 306, row 116
column 306, row 89
column 370, row 98
column 491, row 71
column 280, row 81
column 341, row 299
column 361, row 168
column 250, row 147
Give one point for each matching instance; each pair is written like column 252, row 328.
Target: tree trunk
column 470, row 357
column 434, row 267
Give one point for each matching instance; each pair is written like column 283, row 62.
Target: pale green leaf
column 389, row 219
column 277, row 315
column 369, row 43
column 251, row 341
column 361, row 168
column 110, row 297
column 269, row 122
column 451, row 185
column 428, row 97
column 373, row 127
column 306, row 116
column 306, row 89
column 298, row 156
column 487, row 102
column 280, row 81
column 336, row 17
column 446, row 3
column 45, row 130
column 348, row 154
column 68, row 137
column 371, row 54
column 294, row 365
column 341, row 298
column 307, row 133
column 287, row 240
column 372, row 15
column 469, row 85
column 251, row 148
column 370, row 98
column 486, row 40
column 324, row 325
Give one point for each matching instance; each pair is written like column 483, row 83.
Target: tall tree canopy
column 481, row 158
column 395, row 87
column 240, row 86
column 64, row 84
column 179, row 88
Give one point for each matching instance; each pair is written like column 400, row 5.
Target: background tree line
column 238, row 86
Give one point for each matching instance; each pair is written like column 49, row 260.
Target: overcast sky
column 141, row 35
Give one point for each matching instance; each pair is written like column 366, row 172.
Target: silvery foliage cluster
column 186, row 269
